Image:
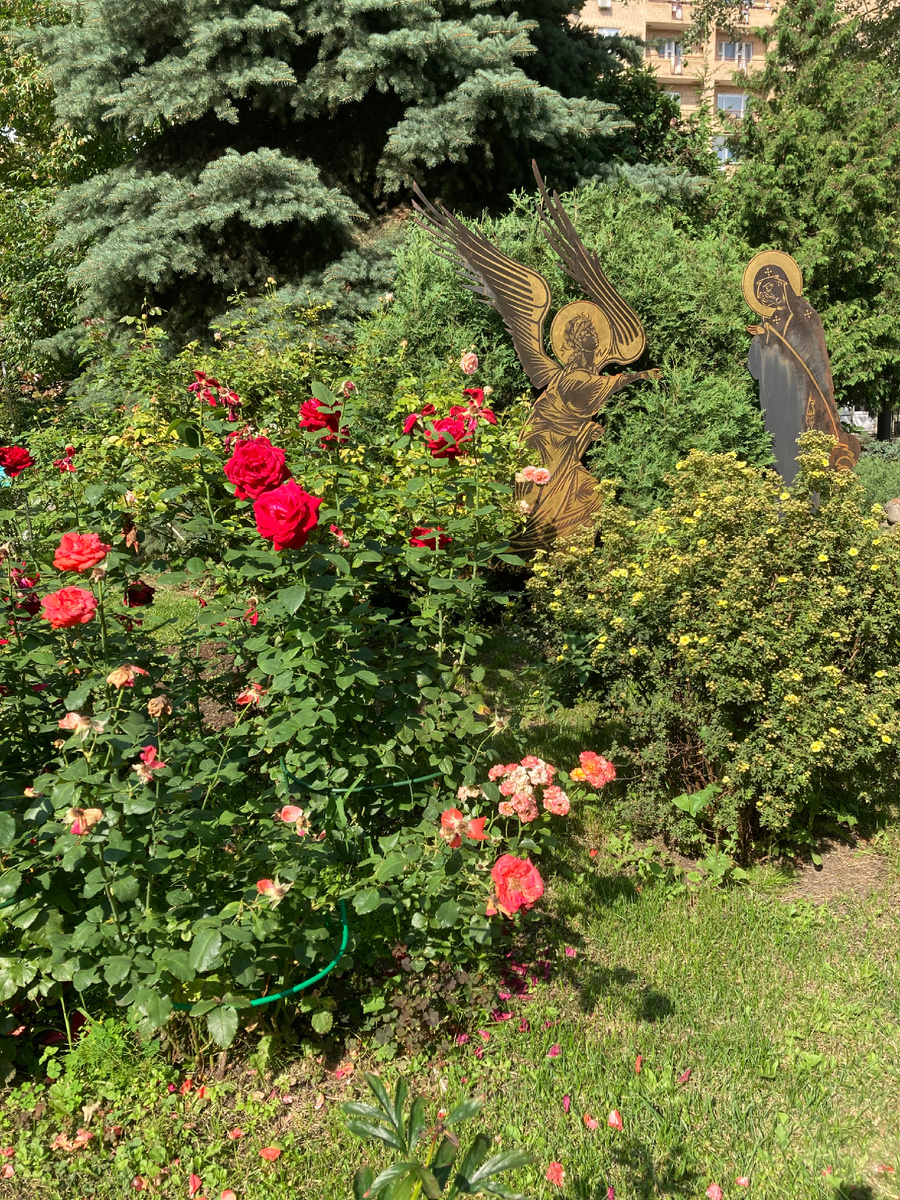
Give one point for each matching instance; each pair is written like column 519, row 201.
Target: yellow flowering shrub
column 745, row 636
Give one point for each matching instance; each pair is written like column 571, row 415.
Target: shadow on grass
column 854, row 1191
column 646, row 1180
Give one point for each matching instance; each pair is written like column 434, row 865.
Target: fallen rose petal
column 195, row 1183
column 484, row 1035
column 593, row 853
column 320, row 1101
column 555, row 1174
column 504, row 995
column 234, row 1134
column 590, row 1122
column 553, row 1052
column 228, row 1194
column 461, row 1039
column 637, row 1065
column 570, row 952
column 269, row 1153
column 567, row 1103
column 524, row 1025
column 614, row 1120
column 714, row 1192
column 9, row 1152
column 610, row 1194
column 742, row 1181
column 685, row 1077
column 827, row 1171
column 7, row 1171
column 884, row 1169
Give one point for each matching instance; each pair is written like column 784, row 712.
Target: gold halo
column 596, row 317
column 769, row 258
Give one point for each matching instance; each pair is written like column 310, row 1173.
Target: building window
column 604, row 5
column 733, row 103
column 723, row 151
column 675, row 96
column 676, row 10
column 740, row 53
column 603, row 32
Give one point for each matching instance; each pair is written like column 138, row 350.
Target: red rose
column 69, row 606
column 445, row 439
column 285, row 515
column 312, row 417
column 254, row 467
column 138, row 594
column 517, row 883
column 14, row 459
column 437, row 541
column 80, row 552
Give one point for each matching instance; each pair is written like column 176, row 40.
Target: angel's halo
column 567, row 335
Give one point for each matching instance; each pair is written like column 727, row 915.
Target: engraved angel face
column 585, row 342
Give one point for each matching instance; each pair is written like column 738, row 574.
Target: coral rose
column 83, row 820
column 69, row 606
column 468, row 364
column 254, row 467
column 80, row 552
column 285, row 515
column 14, row 460
column 516, row 882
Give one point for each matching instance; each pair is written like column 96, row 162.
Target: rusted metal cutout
column 789, row 359
column 585, row 336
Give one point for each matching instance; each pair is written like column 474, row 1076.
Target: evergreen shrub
column 742, row 642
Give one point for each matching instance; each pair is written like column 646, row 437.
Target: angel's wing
column 583, row 266
column 520, row 295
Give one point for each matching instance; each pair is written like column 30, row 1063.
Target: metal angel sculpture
column 789, row 359
column 585, row 337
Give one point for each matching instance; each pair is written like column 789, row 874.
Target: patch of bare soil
column 856, row 870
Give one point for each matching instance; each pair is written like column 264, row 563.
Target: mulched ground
column 857, row 870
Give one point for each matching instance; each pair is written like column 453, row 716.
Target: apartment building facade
column 690, row 73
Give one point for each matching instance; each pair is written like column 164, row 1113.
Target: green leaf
column 322, row 1020
column 156, row 1008
column 9, row 884
column 508, row 1160
column 117, row 969
column 292, row 597
column 325, row 395
column 7, row 830
column 126, row 888
column 369, row 1131
column 195, row 565
column 15, row 973
column 464, row 1111
column 448, row 914
column 205, row 948
column 473, row 1159
column 392, row 1174
column 222, row 1024
column 415, row 1124
column 176, row 963
column 362, row 1183
column 430, row 1185
column 367, row 900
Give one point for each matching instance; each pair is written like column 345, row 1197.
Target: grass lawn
column 785, row 1012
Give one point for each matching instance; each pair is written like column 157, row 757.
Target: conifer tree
column 263, row 133
column 820, row 178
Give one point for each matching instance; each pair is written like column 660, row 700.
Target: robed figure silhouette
column 585, row 338
column 789, row 359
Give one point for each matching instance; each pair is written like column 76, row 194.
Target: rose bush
column 182, row 814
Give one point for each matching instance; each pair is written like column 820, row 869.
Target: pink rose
column 517, row 883
column 468, row 364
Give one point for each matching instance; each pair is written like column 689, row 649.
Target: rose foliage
column 182, row 810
